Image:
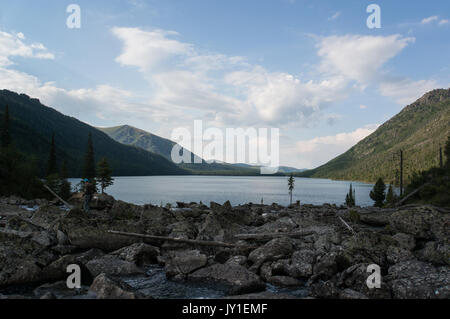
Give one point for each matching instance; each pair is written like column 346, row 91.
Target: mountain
column 130, row 135
column 420, row 129
column 32, row 125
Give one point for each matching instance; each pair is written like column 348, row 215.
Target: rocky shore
column 299, row 247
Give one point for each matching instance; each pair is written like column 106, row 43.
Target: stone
column 418, row 279
column 106, row 287
column 236, row 279
column 284, row 281
column 182, row 263
column 302, row 262
column 138, row 253
column 422, row 222
column 113, row 266
column 275, row 249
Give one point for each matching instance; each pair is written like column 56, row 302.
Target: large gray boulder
column 113, row 266
column 422, row 222
column 106, row 287
column 418, row 279
column 236, row 279
column 181, row 263
column 275, row 249
column 139, row 254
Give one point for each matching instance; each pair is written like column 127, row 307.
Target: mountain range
column 32, row 125
column 419, row 130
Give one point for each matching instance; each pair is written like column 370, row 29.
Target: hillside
column 419, row 130
column 130, row 135
column 32, row 125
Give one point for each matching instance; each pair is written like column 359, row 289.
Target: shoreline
column 299, row 247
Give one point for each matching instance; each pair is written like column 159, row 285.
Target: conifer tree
column 5, row 136
column 89, row 161
column 52, row 167
column 390, row 197
column 378, row 193
column 291, row 186
column 350, row 198
column 104, row 174
column 65, row 189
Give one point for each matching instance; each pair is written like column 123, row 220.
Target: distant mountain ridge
column 32, row 125
column 419, row 129
column 130, row 135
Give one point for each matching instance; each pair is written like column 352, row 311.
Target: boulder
column 275, row 249
column 57, row 270
column 395, row 254
column 22, row 259
column 237, row 260
column 284, row 281
column 405, row 241
column 139, row 254
column 302, row 263
column 418, row 279
column 181, row 263
column 101, row 201
column 236, row 279
column 437, row 253
column 355, row 278
column 422, row 222
column 113, row 266
column 106, row 287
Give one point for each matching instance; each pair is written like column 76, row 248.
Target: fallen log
column 56, row 195
column 180, row 240
column 347, row 225
column 404, row 199
column 269, row 236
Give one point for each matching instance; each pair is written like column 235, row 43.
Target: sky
column 312, row 69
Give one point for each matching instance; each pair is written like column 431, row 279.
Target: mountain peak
column 434, row 96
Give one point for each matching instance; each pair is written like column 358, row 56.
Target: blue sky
column 313, row 69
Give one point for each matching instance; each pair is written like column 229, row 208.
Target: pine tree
column 89, row 161
column 291, row 186
column 104, row 174
column 350, row 198
column 5, row 136
column 52, row 167
column 378, row 193
column 65, row 188
column 390, row 197
column 447, row 152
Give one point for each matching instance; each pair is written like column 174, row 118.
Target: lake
column 237, row 189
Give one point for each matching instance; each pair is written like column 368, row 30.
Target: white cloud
column 147, row 49
column 279, row 98
column 319, row 150
column 429, row 19
column 444, row 21
column 405, row 91
column 335, row 16
column 363, row 107
column 12, row 45
column 359, row 57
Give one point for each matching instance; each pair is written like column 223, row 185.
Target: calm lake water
column 237, row 189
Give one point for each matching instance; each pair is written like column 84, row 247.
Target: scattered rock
column 236, row 279
column 112, row 265
column 106, row 287
column 182, row 263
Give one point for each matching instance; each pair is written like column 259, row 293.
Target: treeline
column 19, row 173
